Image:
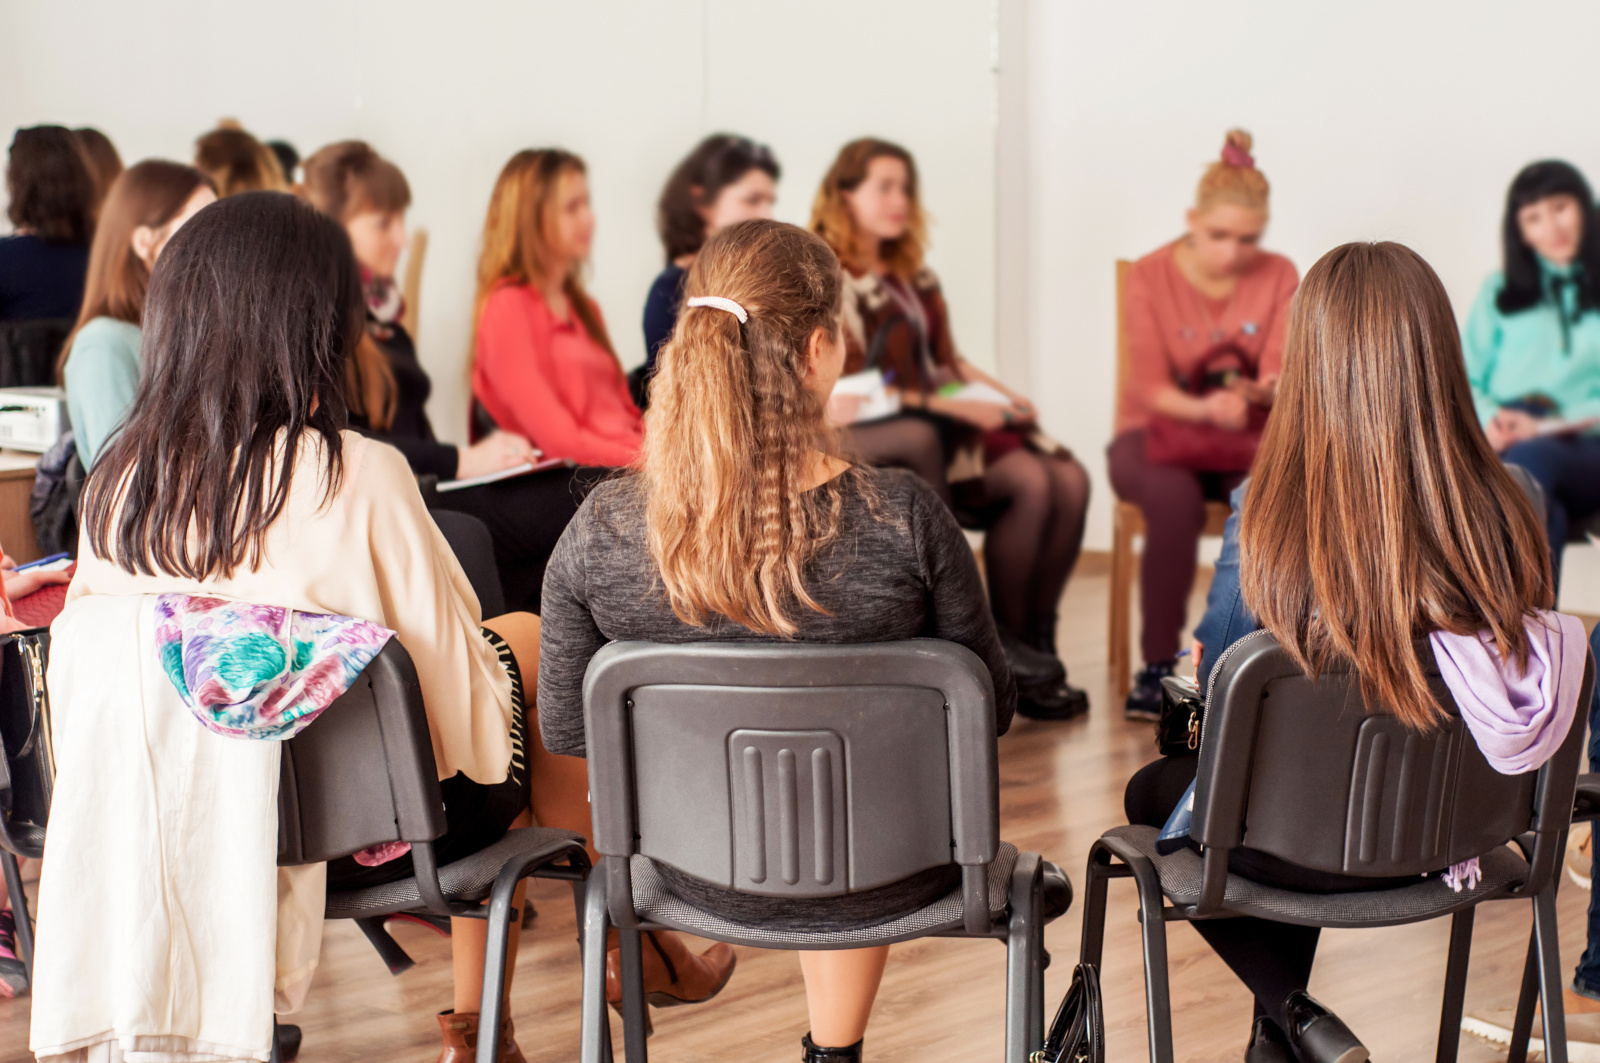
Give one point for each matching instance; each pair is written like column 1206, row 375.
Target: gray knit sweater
column 906, row 572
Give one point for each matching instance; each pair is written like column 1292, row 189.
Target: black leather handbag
column 1078, row 1034
column 29, row 756
column 1183, row 714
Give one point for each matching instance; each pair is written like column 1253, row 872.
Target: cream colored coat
column 370, row 551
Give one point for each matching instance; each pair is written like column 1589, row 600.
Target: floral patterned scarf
column 385, row 303
column 259, row 671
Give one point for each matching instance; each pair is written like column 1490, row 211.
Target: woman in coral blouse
column 543, row 365
column 1205, row 318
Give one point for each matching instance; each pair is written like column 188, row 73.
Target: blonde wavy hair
column 732, row 432
column 516, row 235
column 831, row 218
column 1233, row 178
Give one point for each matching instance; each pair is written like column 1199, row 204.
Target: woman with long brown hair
column 389, row 388
column 99, row 367
column 237, row 162
column 543, row 365
column 964, row 431
column 1377, row 514
column 51, row 201
column 743, row 523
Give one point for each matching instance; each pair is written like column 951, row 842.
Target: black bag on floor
column 1078, row 1034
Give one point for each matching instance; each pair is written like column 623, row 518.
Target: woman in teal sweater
column 1532, row 344
column 100, row 366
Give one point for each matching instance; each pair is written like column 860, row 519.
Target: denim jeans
column 1586, row 979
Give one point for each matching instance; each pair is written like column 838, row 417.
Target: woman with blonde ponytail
column 1205, row 316
column 742, row 523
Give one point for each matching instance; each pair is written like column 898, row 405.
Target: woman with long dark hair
column 1532, row 344
column 145, row 208
column 235, row 478
column 1376, row 513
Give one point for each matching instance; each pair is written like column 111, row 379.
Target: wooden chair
column 1127, row 522
column 412, row 288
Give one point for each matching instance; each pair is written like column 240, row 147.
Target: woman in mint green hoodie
column 1532, row 344
column 100, row 364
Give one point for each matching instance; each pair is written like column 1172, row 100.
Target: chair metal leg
column 1025, row 961
column 1550, row 982
column 1157, row 991
column 596, row 1029
column 635, row 1014
column 491, row 1007
column 394, row 957
column 1096, row 878
column 1522, row 1026
column 19, row 909
column 1455, row 985
column 277, row 1055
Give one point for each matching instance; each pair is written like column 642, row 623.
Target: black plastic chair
column 799, row 771
column 473, row 545
column 29, row 349
column 1308, row 772
column 362, row 774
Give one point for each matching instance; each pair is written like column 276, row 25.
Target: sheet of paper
column 1564, row 428
column 505, row 474
column 980, row 392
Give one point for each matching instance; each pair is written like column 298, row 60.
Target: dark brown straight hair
column 51, row 190
column 1377, row 511
column 253, row 309
column 105, row 165
column 720, row 160
column 149, row 194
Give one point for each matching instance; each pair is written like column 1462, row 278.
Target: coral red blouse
column 548, row 379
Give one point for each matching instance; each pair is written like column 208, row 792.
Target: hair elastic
column 717, row 302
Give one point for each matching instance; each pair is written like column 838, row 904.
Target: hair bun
column 1236, row 149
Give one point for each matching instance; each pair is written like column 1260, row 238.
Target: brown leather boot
column 672, row 974
column 460, row 1033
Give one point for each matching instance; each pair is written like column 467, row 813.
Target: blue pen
column 52, row 559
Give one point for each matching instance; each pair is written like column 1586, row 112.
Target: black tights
column 1031, row 548
column 1271, row 959
column 902, row 443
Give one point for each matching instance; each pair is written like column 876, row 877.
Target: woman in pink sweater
column 543, row 365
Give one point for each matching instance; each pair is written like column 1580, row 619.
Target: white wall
column 1373, row 120
column 449, row 92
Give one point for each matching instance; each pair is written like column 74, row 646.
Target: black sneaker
column 1052, row 701
column 1144, row 700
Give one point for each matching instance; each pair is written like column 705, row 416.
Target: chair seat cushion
column 1181, row 876
column 469, row 879
column 653, row 900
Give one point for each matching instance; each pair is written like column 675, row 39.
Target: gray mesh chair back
column 796, row 772
column 1308, row 772
column 363, row 773
column 1302, row 770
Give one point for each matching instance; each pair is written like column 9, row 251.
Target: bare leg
column 469, row 941
column 840, row 989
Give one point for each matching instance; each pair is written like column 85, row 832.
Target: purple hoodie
column 1518, row 721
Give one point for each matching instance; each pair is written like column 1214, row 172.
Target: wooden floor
column 1061, row 785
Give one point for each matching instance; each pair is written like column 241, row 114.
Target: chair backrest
column 792, row 770
column 28, row 351
column 411, row 289
column 473, row 545
column 1123, row 357
column 363, row 772
column 1309, row 772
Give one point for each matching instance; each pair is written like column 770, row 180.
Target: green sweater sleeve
column 1480, row 346
column 101, row 376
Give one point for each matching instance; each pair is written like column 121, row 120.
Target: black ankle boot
column 813, row 1054
column 1029, row 666
column 1318, row 1035
column 1268, row 1043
